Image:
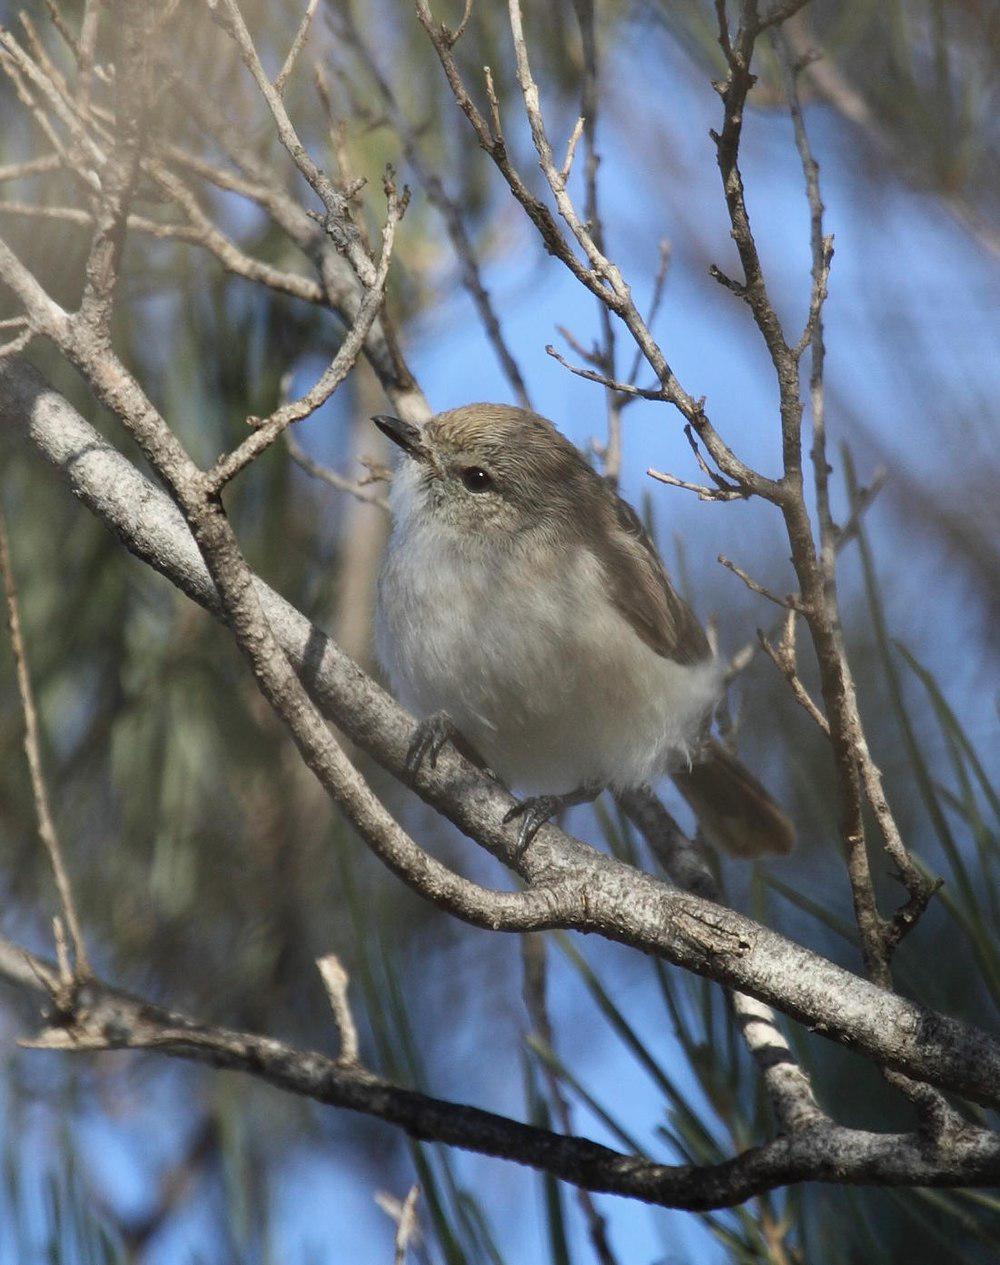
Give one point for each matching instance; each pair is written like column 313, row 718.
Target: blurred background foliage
column 210, row 870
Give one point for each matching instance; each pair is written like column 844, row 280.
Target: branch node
column 736, row 287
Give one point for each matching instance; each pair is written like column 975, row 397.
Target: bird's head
column 488, row 469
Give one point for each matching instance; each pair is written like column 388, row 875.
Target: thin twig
column 656, row 299
column 783, row 657
column 704, row 493
column 296, row 48
column 593, row 375
column 335, row 480
column 406, row 1225
column 271, row 427
column 860, row 505
column 611, row 454
column 789, row 601
column 86, row 47
column 454, row 36
column 17, row 344
column 31, row 167
column 452, row 214
column 33, row 751
column 338, row 223
column 75, row 215
column 335, row 981
column 119, row 177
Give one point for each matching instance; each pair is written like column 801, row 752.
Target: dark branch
column 103, row 1018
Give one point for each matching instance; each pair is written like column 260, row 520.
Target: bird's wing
column 642, row 592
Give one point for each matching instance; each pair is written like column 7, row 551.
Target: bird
column 524, row 614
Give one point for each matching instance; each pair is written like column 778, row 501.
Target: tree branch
column 600, row 894
column 103, row 1018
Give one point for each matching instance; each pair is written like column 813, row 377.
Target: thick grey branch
column 602, row 895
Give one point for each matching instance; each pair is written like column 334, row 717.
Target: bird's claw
column 430, row 736
column 534, row 812
column 538, row 809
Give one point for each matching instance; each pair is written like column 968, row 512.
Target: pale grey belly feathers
column 548, row 683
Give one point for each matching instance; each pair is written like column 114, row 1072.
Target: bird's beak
column 404, row 434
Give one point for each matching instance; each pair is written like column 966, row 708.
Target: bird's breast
column 524, row 651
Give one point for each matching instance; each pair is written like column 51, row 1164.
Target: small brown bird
column 525, row 613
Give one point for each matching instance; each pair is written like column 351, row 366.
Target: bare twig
column 338, row 223
column 75, row 215
column 454, row 36
column 270, row 428
column 207, row 234
column 335, row 480
column 589, row 99
column 119, row 176
column 789, row 601
column 17, row 344
column 451, row 213
column 335, row 981
column 860, row 504
column 571, row 144
column 704, row 493
column 85, row 49
column 33, row 751
column 59, row 22
column 405, row 1216
column 300, row 38
column 656, row 299
column 783, row 657
column 31, row 167
column 593, row 375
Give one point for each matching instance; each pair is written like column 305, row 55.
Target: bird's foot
column 536, row 810
column 430, row 736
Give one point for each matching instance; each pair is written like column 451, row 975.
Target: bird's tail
column 734, row 811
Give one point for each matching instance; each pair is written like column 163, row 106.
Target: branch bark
column 103, row 1018
column 596, row 893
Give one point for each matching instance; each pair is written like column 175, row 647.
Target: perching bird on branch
column 525, row 614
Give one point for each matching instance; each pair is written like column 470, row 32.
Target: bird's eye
column 475, row 479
